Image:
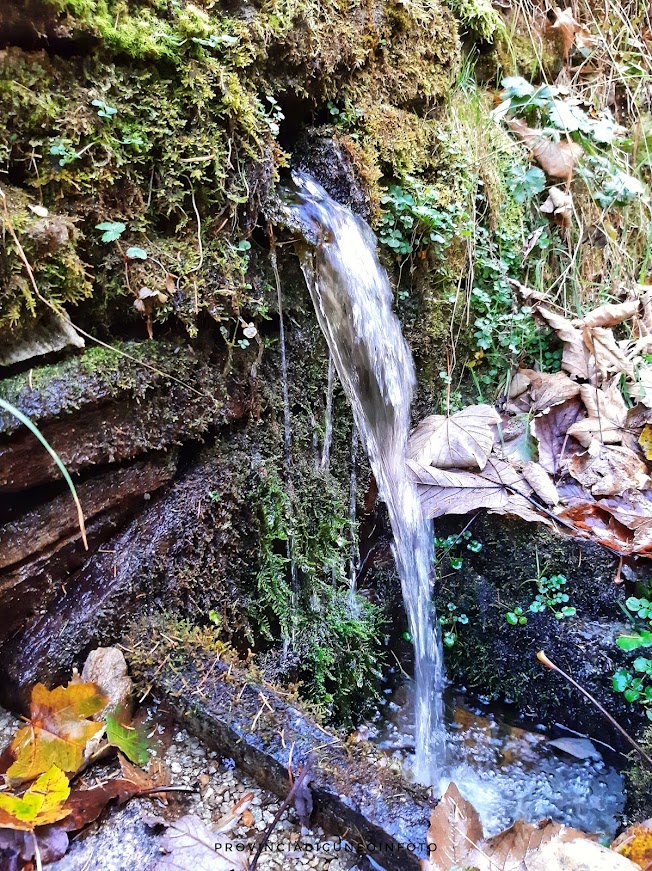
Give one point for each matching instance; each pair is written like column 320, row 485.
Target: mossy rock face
column 161, row 121
column 493, row 658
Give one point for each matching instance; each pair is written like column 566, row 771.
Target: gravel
column 121, row 841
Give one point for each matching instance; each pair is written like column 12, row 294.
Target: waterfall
column 353, row 301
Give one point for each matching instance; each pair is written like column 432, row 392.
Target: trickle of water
column 353, row 301
column 355, row 552
column 328, row 429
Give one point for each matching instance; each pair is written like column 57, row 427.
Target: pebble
column 221, row 786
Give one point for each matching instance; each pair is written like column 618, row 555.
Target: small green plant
column 448, row 549
column 103, row 109
column 449, row 622
column 516, row 617
column 551, row 596
column 633, row 683
column 111, row 230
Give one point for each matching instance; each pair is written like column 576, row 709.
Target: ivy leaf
column 58, row 730
column 42, row 804
column 112, row 230
column 127, row 739
column 136, row 253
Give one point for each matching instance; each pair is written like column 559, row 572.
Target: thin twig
column 541, row 656
column 284, row 805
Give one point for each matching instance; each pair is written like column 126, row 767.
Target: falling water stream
column 353, row 301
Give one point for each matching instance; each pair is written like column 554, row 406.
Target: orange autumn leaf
column 58, row 730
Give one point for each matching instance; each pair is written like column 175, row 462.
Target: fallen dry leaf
column 541, row 483
column 635, row 843
column 559, row 206
column 455, row 831
column 448, row 491
column 593, row 432
column 575, row 355
column 462, row 441
column 571, row 31
column 57, row 732
column 608, row 356
column 556, row 159
column 614, row 470
column 550, row 389
column 551, row 432
column 85, row 805
column 605, row 404
column 189, row 845
column 609, row 315
column 43, row 803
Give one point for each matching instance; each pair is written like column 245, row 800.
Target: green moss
column 478, row 16
column 99, row 374
column 302, row 594
column 50, row 245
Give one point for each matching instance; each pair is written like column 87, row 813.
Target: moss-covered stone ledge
column 110, row 405
column 492, row 657
column 357, row 793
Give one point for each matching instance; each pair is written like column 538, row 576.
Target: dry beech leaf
column 606, row 404
column 571, row 31
column 556, row 159
column 550, row 389
column 57, row 732
column 551, row 432
column 190, row 845
column 609, row 315
column 559, row 206
column 462, row 441
column 632, row 509
column 85, row 805
column 575, row 356
column 608, row 356
column 518, row 384
column 541, row 483
column 594, row 430
column 455, row 831
column 450, row 491
column 642, row 322
column 614, row 470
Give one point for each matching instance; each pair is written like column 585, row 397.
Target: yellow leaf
column 645, row 441
column 42, row 804
column 58, row 730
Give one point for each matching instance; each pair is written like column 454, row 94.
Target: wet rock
column 106, row 408
column 52, row 333
column 107, row 667
column 183, row 550
column 579, row 748
column 41, row 549
column 320, row 154
column 353, row 796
